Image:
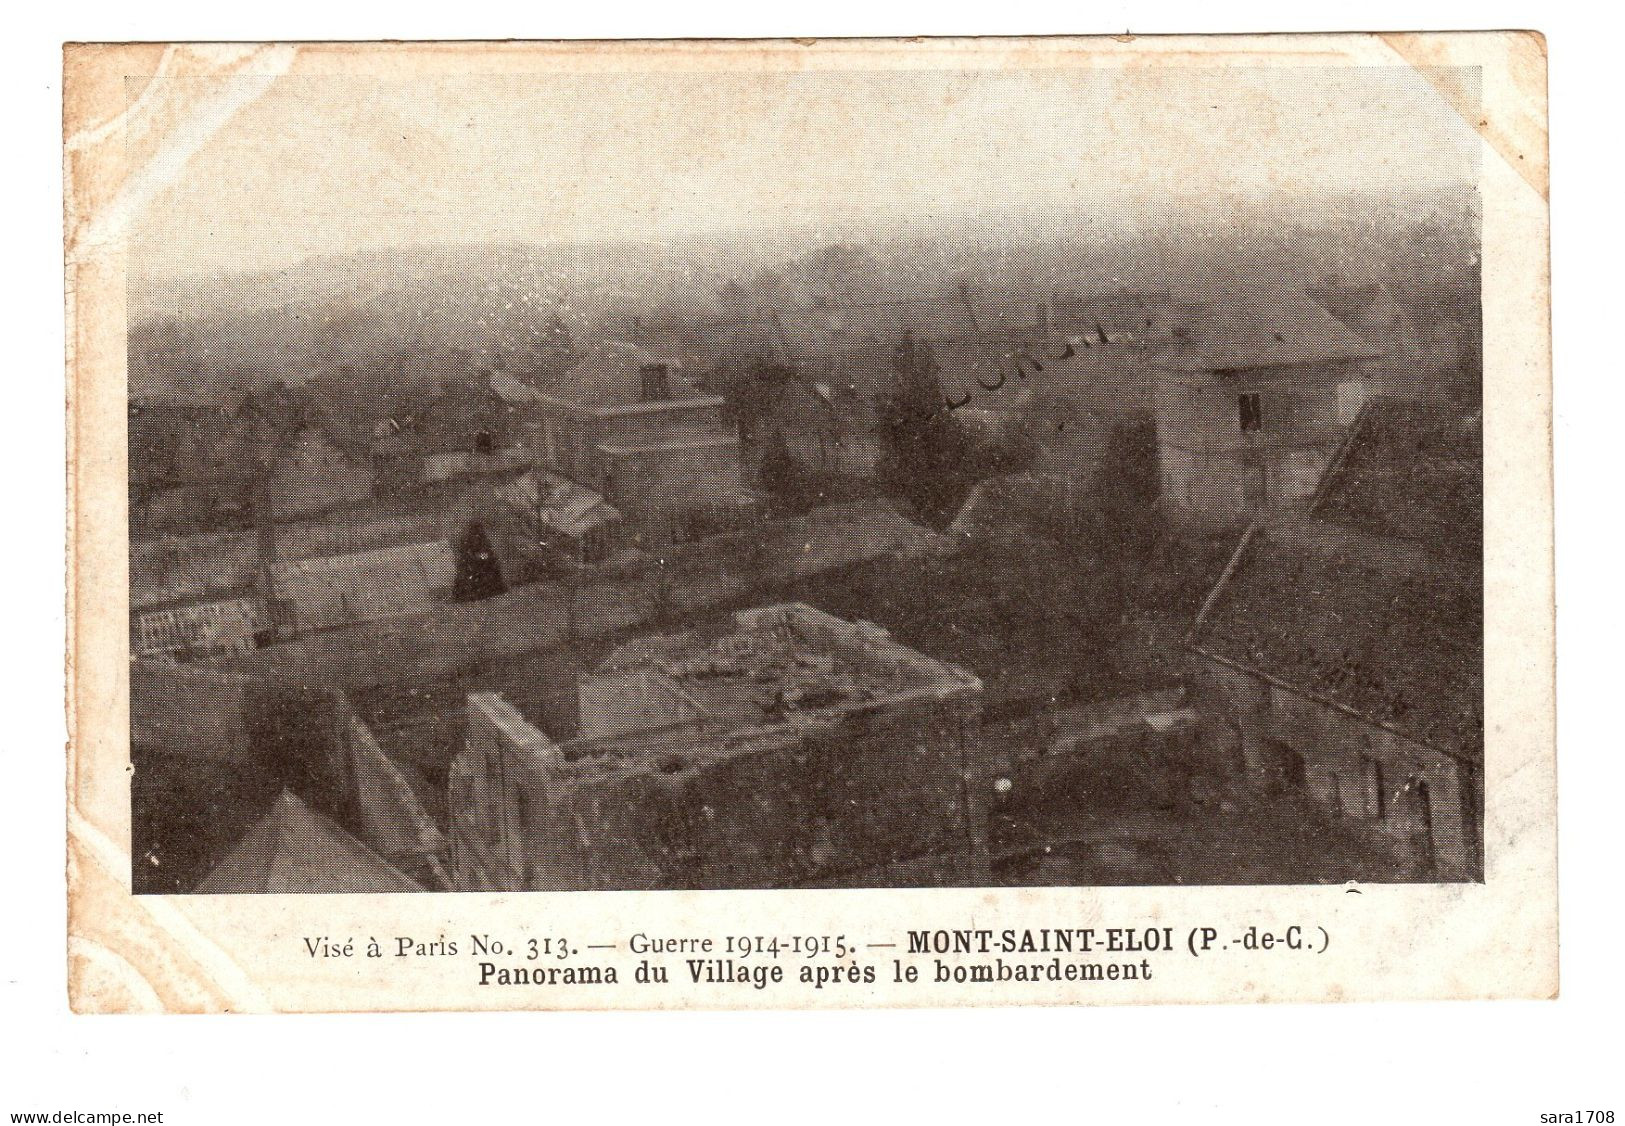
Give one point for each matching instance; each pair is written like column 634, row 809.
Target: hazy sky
column 323, row 165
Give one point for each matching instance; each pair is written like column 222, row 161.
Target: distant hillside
column 428, row 311
column 415, row 309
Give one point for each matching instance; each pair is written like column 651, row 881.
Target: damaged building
column 1340, row 658
column 792, row 749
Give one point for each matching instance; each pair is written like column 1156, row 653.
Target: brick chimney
column 656, row 383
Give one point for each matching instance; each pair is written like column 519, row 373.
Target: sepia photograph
column 1028, row 476
column 849, row 561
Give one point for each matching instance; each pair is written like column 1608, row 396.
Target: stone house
column 629, row 426
column 1252, row 399
column 461, row 428
column 1340, row 657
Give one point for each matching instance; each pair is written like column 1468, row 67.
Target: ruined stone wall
column 497, row 781
column 820, row 807
column 894, row 788
column 1360, row 772
column 1423, row 807
column 389, row 816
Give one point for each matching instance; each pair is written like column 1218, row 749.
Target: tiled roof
column 1236, row 333
column 1137, row 316
column 1375, row 601
column 333, row 591
column 610, row 376
column 1411, row 471
column 1358, row 307
column 558, row 502
column 297, row 851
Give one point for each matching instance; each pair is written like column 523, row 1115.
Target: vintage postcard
column 809, row 523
